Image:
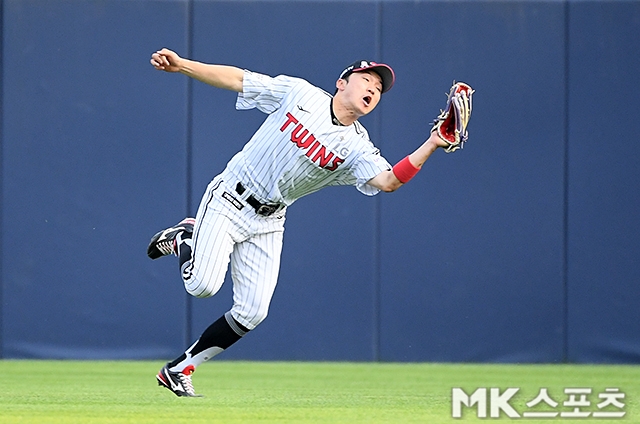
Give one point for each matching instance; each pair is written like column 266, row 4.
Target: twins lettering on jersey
column 316, row 151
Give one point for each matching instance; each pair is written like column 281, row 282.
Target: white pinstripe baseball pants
column 252, row 243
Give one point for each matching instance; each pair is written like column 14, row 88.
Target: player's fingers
column 160, row 59
column 160, row 62
column 155, row 57
column 155, row 62
column 164, row 52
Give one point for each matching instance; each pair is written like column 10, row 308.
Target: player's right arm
column 221, row 76
column 387, row 181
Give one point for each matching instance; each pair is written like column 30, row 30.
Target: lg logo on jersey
column 316, row 151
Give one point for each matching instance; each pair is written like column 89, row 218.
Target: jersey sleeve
column 263, row 92
column 370, row 164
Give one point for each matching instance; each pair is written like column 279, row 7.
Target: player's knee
column 260, row 316
column 253, row 319
column 201, row 294
column 201, row 289
column 198, row 283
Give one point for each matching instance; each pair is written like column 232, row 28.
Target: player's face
column 363, row 91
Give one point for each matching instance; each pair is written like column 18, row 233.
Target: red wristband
column 404, row 170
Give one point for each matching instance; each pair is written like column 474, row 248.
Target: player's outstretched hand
column 166, row 60
column 437, row 141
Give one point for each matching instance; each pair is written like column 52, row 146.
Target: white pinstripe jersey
column 298, row 150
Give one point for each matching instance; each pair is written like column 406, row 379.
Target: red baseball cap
column 386, row 73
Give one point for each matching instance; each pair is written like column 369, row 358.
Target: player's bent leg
column 204, row 270
column 255, row 265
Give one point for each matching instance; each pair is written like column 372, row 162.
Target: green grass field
column 290, row 392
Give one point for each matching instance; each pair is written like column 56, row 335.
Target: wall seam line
column 2, row 179
column 377, row 266
column 189, row 164
column 565, row 212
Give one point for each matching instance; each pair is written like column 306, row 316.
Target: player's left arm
column 392, row 180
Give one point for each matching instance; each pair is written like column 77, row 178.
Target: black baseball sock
column 216, row 338
column 183, row 242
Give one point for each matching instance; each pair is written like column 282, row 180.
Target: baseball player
column 309, row 140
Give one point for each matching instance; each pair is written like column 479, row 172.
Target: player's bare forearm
column 387, row 180
column 220, row 76
column 422, row 153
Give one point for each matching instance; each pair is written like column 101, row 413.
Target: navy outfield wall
column 93, row 155
column 520, row 248
column 603, row 197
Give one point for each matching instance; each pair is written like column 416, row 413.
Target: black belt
column 261, row 208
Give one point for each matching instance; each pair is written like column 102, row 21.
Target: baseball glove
column 451, row 124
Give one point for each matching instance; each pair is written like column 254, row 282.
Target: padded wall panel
column 94, row 164
column 604, row 232
column 323, row 305
column 472, row 249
